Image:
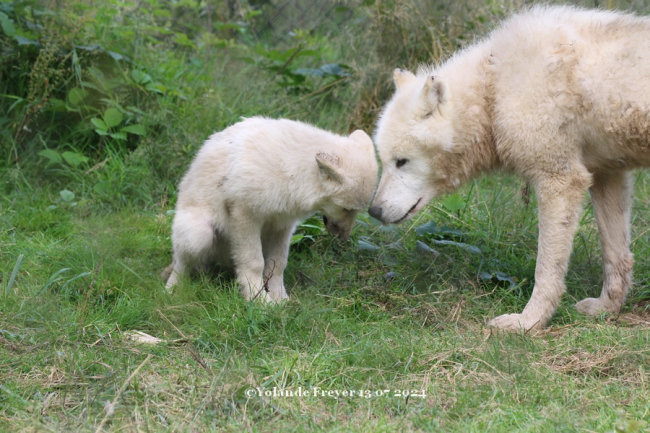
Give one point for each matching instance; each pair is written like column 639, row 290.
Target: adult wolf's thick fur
column 249, row 186
column 558, row 95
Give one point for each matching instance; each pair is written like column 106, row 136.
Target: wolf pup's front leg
column 275, row 244
column 247, row 256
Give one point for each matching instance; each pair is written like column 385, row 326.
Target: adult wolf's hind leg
column 611, row 198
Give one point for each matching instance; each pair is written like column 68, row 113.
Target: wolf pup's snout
column 340, row 229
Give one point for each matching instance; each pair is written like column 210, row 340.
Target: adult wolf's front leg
column 559, row 198
column 611, row 197
column 247, row 256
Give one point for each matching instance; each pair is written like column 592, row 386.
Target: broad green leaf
column 450, row 232
column 296, row 238
column 99, row 124
column 140, row 77
column 471, row 248
column 454, row 202
column 505, row 277
column 182, row 39
column 52, row 155
column 427, row 229
column 25, row 41
column 90, row 85
column 118, row 135
column 485, row 276
column 419, row 245
column 74, row 159
column 76, row 95
column 364, row 245
column 309, row 72
column 500, row 276
column 334, row 69
column 103, row 187
column 112, row 117
column 116, row 56
column 7, row 24
column 135, row 129
column 56, row 105
column 101, row 131
column 66, row 195
column 158, row 88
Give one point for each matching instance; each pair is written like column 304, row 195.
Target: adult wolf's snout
column 375, row 212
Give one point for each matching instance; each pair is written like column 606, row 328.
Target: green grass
column 65, row 352
column 391, row 309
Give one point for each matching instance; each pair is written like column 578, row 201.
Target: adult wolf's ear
column 328, row 166
column 360, row 137
column 401, row 77
column 436, row 93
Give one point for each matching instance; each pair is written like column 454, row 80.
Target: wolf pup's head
column 415, row 144
column 349, row 179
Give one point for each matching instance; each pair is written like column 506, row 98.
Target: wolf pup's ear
column 436, row 92
column 328, row 166
column 401, row 77
column 361, row 137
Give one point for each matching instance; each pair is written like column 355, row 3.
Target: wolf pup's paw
column 515, row 322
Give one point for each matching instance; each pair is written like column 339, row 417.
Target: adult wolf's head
column 415, row 141
column 349, row 179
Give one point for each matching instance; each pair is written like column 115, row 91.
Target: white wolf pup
column 558, row 95
column 249, row 186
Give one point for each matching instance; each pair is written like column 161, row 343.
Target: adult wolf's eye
column 401, row 162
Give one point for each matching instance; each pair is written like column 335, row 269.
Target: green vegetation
column 103, row 105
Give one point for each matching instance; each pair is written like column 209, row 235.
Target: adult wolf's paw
column 514, row 322
column 595, row 306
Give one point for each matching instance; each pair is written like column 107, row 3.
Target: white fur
column 558, row 95
column 249, row 186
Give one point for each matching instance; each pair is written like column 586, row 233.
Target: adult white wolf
column 249, row 186
column 558, row 95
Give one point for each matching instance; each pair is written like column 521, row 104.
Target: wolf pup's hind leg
column 193, row 238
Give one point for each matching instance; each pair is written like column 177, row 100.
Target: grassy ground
column 380, row 314
column 396, row 310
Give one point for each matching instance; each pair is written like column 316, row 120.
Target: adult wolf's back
column 558, row 95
